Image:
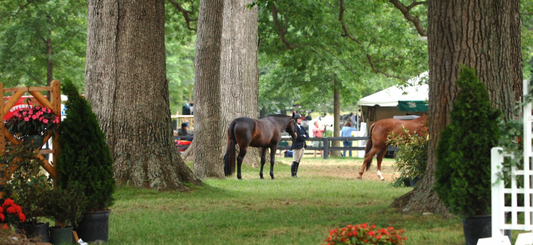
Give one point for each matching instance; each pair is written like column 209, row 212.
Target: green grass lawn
column 286, row 210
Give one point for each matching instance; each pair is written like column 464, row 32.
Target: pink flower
column 27, row 119
column 45, row 120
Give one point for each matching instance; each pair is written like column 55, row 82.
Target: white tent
column 389, row 97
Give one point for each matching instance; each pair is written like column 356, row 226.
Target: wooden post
column 56, row 106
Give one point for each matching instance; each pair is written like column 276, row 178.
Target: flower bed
column 365, row 234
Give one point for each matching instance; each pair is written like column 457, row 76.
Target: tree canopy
column 37, row 34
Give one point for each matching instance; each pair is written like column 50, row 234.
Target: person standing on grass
column 318, row 130
column 298, row 144
column 347, row 132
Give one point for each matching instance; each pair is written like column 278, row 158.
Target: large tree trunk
column 126, row 84
column 207, row 113
column 484, row 35
column 239, row 71
column 238, row 85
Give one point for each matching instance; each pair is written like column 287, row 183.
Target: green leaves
column 85, row 158
column 307, row 49
column 40, row 35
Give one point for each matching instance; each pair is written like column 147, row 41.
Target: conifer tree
column 85, row 158
column 463, row 153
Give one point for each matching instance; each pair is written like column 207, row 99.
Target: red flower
column 11, row 210
column 8, row 202
column 2, row 217
column 22, row 217
column 5, row 227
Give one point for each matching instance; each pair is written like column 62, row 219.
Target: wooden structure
column 54, row 104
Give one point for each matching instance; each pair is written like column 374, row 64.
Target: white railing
column 518, row 214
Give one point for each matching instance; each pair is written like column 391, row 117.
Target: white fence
column 512, row 207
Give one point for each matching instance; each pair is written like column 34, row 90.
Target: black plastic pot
column 37, row 232
column 60, row 235
column 476, row 227
column 94, row 226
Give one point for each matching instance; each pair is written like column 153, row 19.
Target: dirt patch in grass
column 346, row 167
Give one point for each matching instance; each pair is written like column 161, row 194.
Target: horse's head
column 291, row 129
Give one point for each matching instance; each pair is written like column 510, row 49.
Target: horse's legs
column 242, row 153
column 380, row 156
column 368, row 158
column 263, row 160
column 272, row 159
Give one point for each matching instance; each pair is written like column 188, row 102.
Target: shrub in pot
column 412, row 156
column 66, row 208
column 463, row 180
column 27, row 187
column 85, row 158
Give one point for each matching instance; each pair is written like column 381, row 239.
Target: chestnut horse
column 264, row 133
column 377, row 140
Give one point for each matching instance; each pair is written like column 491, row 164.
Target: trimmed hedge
column 85, row 158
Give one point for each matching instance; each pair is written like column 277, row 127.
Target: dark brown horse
column 377, row 140
column 264, row 133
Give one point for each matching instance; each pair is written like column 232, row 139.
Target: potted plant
column 11, row 214
column 66, row 208
column 463, row 180
column 32, row 124
column 86, row 161
column 411, row 158
column 27, row 187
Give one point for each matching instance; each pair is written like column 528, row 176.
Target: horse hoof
column 359, row 177
column 382, row 179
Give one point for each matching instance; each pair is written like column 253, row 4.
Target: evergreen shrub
column 463, row 180
column 85, row 158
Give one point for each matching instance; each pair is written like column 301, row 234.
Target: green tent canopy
column 417, row 105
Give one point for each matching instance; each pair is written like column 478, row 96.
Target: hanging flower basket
column 31, row 124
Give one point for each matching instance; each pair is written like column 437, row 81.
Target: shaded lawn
column 325, row 195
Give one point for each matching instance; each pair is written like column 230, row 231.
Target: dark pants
column 347, row 143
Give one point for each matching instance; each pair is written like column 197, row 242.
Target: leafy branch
column 347, row 34
column 406, row 13
column 186, row 14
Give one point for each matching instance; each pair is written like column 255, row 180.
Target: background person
column 183, row 130
column 298, row 145
column 318, row 131
column 347, row 132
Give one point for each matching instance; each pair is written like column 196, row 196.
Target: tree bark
column 238, row 86
column 336, row 115
column 125, row 82
column 484, row 35
column 207, row 113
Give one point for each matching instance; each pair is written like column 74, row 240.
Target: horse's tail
column 229, row 157
column 369, row 146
